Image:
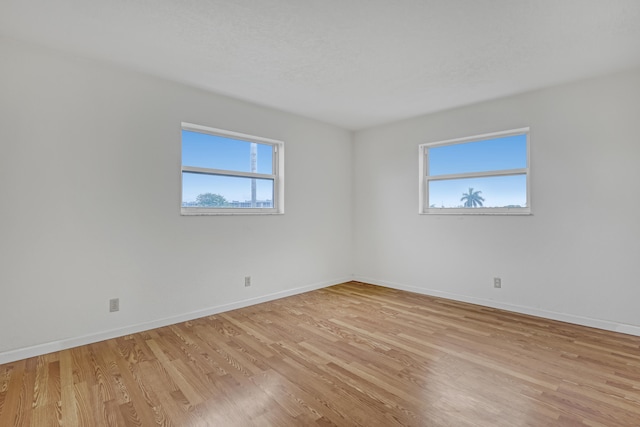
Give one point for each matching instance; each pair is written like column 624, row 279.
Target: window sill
column 477, row 211
column 228, row 212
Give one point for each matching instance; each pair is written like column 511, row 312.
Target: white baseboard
column 40, row 349
column 562, row 317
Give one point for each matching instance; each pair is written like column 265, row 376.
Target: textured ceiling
column 353, row 63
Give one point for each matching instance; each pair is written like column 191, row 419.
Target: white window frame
column 425, row 178
column 277, row 174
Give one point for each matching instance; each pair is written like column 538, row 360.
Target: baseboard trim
column 562, row 317
column 40, row 349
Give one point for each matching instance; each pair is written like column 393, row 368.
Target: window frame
column 425, row 178
column 277, row 174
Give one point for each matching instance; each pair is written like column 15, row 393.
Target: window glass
column 226, row 172
column 489, row 192
column 476, row 175
column 201, row 190
column 217, row 152
column 480, row 156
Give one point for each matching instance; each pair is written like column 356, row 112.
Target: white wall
column 89, row 186
column 90, row 193
column 577, row 258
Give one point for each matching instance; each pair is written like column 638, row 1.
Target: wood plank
column 352, row 354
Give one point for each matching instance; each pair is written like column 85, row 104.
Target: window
column 230, row 173
column 484, row 174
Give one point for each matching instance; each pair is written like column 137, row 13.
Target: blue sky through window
column 495, row 154
column 233, row 189
column 217, row 152
column 497, row 191
column 489, row 155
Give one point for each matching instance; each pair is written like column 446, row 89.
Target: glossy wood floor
column 348, row 355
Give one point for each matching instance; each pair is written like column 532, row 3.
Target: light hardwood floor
column 348, row 355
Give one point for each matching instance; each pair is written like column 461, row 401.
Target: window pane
column 497, row 192
column 217, row 152
column 199, row 190
column 481, row 156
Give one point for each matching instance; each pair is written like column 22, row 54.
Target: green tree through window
column 210, row 200
column 472, row 198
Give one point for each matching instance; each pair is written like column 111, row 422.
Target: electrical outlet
column 114, row 305
column 247, row 281
column 497, row 282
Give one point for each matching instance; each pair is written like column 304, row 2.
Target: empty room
column 301, row 213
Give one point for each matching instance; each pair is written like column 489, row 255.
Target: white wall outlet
column 497, row 282
column 247, row 281
column 114, row 305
